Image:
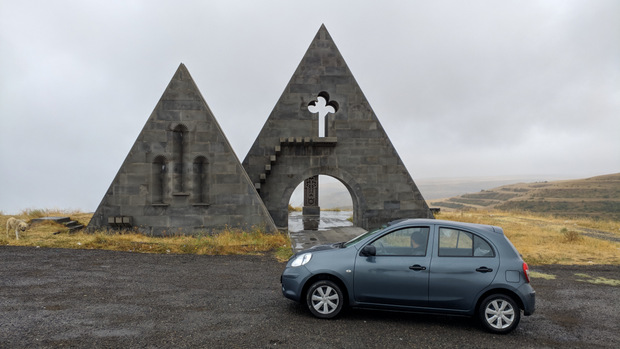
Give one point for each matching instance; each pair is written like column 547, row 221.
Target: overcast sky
column 462, row 88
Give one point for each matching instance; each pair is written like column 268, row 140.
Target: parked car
column 420, row 265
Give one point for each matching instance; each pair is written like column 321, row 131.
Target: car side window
column 410, row 241
column 482, row 248
column 458, row 243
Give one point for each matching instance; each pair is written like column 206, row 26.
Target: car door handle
column 417, row 267
column 484, row 270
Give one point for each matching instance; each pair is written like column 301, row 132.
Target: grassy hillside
column 596, row 197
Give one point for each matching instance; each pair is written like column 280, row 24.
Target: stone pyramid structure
column 181, row 175
column 323, row 125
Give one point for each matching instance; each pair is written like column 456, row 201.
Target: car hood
column 321, row 248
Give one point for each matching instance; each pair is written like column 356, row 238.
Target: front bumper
column 293, row 281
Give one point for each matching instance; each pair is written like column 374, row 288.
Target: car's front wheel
column 499, row 313
column 324, row 299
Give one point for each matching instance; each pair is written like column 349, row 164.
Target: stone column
column 311, row 211
column 311, row 196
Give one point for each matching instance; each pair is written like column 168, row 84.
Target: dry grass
column 597, row 280
column 537, row 275
column 292, row 208
column 548, row 240
column 540, row 239
column 228, row 242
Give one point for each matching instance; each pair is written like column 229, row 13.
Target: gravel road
column 91, row 298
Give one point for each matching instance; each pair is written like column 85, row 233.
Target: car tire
column 324, row 299
column 499, row 314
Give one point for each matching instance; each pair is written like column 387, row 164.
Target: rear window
column 458, row 243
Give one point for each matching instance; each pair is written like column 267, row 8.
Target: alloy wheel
column 325, row 299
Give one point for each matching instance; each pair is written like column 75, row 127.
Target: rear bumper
column 528, row 296
column 531, row 307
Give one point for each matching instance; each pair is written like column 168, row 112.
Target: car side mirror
column 368, row 251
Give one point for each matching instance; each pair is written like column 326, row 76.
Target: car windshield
column 359, row 238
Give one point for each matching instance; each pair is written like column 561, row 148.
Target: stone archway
column 346, row 179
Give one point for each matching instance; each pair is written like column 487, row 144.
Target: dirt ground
column 91, row 298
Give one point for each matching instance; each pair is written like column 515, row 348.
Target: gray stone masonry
column 354, row 149
column 181, row 175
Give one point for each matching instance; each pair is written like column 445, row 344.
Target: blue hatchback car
column 420, row 265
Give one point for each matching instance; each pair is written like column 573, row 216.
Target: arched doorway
column 334, row 200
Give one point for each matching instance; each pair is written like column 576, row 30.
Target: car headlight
column 302, row 259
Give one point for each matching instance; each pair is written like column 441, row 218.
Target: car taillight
column 526, row 271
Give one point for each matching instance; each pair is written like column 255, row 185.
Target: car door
column 463, row 264
column 398, row 273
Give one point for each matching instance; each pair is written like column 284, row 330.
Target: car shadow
column 386, row 318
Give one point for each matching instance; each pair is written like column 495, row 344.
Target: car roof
column 483, row 227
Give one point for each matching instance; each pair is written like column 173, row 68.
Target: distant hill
column 441, row 188
column 591, row 197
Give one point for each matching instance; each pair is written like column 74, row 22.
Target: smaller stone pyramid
column 181, row 175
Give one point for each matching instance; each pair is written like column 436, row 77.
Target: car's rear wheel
column 499, row 313
column 324, row 299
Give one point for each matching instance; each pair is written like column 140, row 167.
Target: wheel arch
column 326, row 276
column 502, row 291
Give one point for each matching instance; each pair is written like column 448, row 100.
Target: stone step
column 309, row 141
column 74, row 226
column 272, row 160
column 59, row 220
column 66, row 221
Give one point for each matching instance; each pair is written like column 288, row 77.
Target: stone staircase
column 292, row 141
column 72, row 225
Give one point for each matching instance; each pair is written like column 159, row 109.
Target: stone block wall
column 181, row 175
column 355, row 149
